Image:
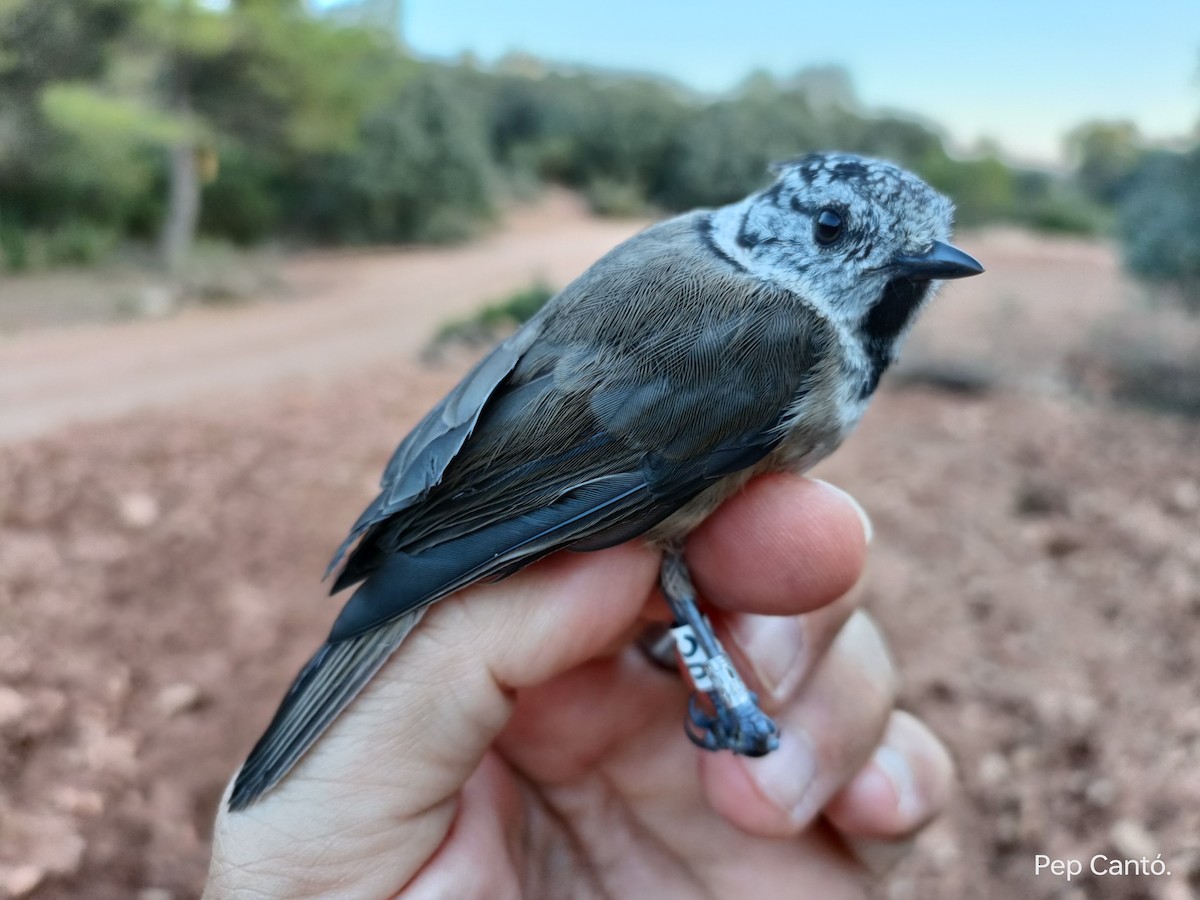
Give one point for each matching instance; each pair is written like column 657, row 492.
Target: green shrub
column 216, row 273
column 1161, row 385
column 723, row 151
column 75, row 243
column 492, row 318
column 242, row 204
column 1066, row 211
column 983, row 189
column 1158, row 223
column 14, row 248
column 420, row 172
column 609, row 197
column 522, row 305
column 1104, row 155
column 80, row 243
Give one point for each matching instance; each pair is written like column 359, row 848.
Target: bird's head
column 860, row 240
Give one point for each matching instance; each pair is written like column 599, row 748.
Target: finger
column 775, row 654
column 828, row 732
column 478, row 861
column 401, row 752
column 563, row 729
column 905, row 785
column 784, row 545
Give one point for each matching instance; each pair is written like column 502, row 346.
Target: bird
column 711, row 347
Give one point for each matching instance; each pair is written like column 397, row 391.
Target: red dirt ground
column 1036, row 562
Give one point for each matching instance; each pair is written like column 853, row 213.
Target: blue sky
column 1019, row 71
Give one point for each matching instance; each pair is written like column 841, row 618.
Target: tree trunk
column 183, row 206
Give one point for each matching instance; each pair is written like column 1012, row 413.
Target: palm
column 596, row 787
column 437, row 783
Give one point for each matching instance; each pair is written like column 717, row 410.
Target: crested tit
column 711, row 347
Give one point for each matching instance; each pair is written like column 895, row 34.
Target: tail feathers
column 324, row 687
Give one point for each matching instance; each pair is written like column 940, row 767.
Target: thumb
column 381, row 784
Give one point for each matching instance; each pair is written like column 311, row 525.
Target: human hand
column 519, row 745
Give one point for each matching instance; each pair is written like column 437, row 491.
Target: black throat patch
column 884, row 323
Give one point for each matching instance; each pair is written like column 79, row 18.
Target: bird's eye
column 827, row 226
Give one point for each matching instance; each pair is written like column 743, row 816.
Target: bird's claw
column 700, row 726
column 745, row 729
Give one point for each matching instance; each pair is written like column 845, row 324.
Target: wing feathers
column 405, row 581
column 324, row 687
column 421, row 459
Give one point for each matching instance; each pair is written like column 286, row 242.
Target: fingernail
column 867, row 527
column 897, row 771
column 774, row 647
column 785, row 775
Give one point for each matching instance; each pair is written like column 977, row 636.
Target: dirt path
column 346, row 312
column 349, row 311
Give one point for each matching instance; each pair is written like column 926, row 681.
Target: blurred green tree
column 420, row 170
column 125, row 108
column 606, row 135
column 723, row 150
column 244, row 80
column 1159, row 222
column 982, row 188
column 165, row 118
column 45, row 181
column 1104, row 155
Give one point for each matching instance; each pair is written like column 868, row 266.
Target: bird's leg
column 737, row 723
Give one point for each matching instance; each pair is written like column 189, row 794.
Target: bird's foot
column 746, row 730
column 736, row 722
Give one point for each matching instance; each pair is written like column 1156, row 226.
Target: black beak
column 940, row 261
